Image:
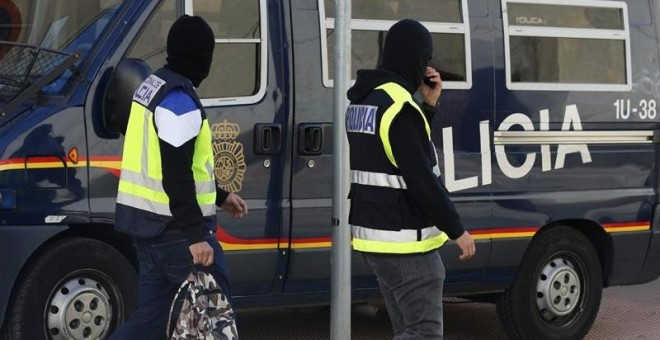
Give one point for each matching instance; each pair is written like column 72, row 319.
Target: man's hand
column 202, row 253
column 235, row 205
column 466, row 243
column 431, row 94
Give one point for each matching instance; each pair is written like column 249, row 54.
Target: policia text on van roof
column 545, row 134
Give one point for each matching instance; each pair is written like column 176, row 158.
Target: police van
column 547, row 134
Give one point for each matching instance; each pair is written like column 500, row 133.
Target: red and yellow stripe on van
column 230, row 242
column 112, row 164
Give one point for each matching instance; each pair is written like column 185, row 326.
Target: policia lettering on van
column 545, row 136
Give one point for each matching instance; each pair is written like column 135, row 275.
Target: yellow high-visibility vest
column 141, row 181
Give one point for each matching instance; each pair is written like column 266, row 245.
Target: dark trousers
column 411, row 285
column 165, row 262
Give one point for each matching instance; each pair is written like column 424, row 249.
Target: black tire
column 72, row 279
column 557, row 290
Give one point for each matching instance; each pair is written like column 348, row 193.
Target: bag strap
column 184, row 286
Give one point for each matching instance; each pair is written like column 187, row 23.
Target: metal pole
column 340, row 307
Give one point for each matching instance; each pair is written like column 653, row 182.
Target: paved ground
column 631, row 312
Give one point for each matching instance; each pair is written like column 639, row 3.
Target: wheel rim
column 561, row 289
column 80, row 308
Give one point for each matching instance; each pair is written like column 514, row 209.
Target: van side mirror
column 128, row 75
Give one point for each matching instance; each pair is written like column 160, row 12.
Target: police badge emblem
column 229, row 156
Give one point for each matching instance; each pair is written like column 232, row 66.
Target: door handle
column 310, row 139
column 267, row 138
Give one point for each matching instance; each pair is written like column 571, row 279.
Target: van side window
column 150, row 45
column 448, row 22
column 555, row 45
column 238, row 72
column 239, row 57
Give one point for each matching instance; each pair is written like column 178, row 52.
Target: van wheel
column 77, row 288
column 557, row 290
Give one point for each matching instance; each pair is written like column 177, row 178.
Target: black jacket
column 178, row 181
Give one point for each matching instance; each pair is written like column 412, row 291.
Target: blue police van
column 547, row 134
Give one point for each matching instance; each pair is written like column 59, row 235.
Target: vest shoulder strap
column 171, row 81
column 399, row 97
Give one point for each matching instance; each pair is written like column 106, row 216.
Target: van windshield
column 63, row 25
column 37, row 36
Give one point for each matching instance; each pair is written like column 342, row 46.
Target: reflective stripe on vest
column 140, row 184
column 378, row 179
column 400, row 97
column 397, row 242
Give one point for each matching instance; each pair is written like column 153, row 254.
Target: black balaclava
column 190, row 44
column 407, row 50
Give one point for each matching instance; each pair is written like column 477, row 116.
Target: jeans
column 411, row 285
column 165, row 262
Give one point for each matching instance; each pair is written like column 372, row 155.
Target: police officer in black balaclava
column 165, row 201
column 190, row 44
column 400, row 211
column 407, row 51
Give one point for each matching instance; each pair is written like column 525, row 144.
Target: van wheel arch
column 558, row 287
column 598, row 237
column 105, row 233
column 106, row 259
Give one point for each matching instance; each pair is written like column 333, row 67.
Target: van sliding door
column 457, row 127
column 311, row 178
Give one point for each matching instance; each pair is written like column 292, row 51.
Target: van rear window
column 529, row 66
column 447, row 21
column 556, row 45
